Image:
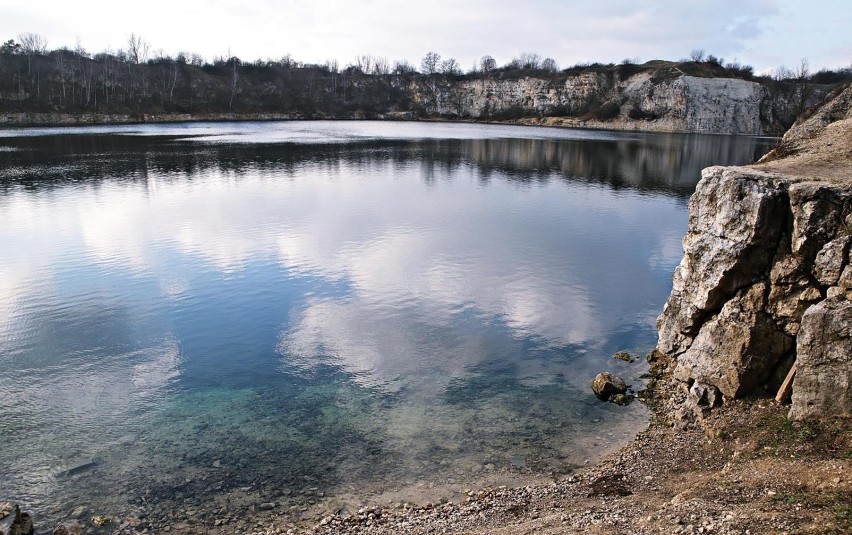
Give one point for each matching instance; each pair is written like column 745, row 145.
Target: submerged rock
column 68, row 528
column 606, row 385
column 100, row 520
column 13, row 521
column 625, row 357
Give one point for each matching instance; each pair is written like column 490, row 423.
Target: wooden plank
column 787, row 386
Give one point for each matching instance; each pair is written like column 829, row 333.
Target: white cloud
column 752, row 31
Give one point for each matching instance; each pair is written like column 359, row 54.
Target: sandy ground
column 828, row 156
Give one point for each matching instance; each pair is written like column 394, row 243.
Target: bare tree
column 137, row 49
column 697, row 55
column 451, row 67
column 79, row 50
column 430, row 62
column 783, row 73
column 803, row 70
column 32, row 43
column 381, row 66
column 235, row 61
column 403, row 67
column 549, row 65
column 364, row 63
column 487, row 64
column 527, row 60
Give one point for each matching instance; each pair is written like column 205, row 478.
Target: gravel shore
column 744, row 468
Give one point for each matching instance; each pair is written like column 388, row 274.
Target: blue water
column 302, row 312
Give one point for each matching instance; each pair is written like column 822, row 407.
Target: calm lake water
column 252, row 313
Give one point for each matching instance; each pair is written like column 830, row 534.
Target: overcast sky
column 762, row 33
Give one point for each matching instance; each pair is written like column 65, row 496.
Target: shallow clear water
column 262, row 312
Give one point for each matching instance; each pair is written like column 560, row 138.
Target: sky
column 761, row 33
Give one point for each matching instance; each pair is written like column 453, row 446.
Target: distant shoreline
column 51, row 120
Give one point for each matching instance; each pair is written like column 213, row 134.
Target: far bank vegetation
column 139, row 79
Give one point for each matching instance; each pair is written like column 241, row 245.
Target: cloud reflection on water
column 140, row 267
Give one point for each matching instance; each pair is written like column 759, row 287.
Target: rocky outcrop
column 766, row 276
column 644, row 101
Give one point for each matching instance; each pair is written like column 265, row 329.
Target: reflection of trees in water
column 668, row 163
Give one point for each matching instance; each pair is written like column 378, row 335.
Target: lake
column 292, row 316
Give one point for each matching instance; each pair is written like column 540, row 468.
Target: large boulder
column 823, row 383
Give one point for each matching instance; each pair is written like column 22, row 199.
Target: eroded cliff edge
column 766, row 276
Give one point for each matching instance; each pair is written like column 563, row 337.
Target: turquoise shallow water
column 269, row 311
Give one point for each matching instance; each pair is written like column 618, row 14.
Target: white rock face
column 682, row 103
column 722, row 105
column 732, row 236
column 761, row 255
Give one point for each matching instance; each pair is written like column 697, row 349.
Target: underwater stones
column 624, row 356
column 605, row 385
column 13, row 521
column 621, row 399
column 68, row 528
column 100, row 520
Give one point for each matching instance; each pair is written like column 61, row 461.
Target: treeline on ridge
column 136, row 81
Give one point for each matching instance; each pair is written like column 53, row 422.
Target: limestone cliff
column 766, row 276
column 644, row 101
column 657, row 95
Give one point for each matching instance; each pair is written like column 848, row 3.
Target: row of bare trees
column 140, row 79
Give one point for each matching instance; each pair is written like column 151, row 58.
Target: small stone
column 624, row 356
column 100, row 520
column 704, row 395
column 606, row 385
column 621, row 399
